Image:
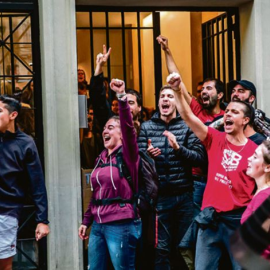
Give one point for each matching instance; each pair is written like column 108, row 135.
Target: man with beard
column 243, row 90
column 175, row 149
column 229, row 189
column 211, row 95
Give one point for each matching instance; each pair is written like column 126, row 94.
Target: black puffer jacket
column 174, row 167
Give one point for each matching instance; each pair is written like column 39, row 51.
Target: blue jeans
column 115, row 239
column 199, row 188
column 210, row 246
column 175, row 214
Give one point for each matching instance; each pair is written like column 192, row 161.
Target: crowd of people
column 204, row 151
column 212, row 161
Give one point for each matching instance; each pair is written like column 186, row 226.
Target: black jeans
column 175, row 214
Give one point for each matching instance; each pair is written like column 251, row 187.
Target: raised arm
column 102, row 60
column 101, row 107
column 171, row 65
column 195, row 124
column 129, row 138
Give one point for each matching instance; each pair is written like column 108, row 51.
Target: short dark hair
column 248, row 111
column 11, row 104
column 200, row 83
column 136, row 94
column 218, row 84
column 166, row 86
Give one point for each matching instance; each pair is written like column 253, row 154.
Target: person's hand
column 103, row 57
column 41, row 231
column 152, row 152
column 172, row 139
column 174, row 81
column 82, row 232
column 118, row 86
column 163, row 42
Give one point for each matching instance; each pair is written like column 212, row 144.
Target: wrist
column 178, row 89
column 120, row 95
column 176, row 146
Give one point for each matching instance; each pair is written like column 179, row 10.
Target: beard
column 238, row 99
column 212, row 103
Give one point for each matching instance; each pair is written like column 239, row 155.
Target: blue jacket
column 20, row 174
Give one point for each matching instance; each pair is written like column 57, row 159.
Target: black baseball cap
column 246, row 84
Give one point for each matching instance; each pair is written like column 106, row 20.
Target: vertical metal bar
column 139, row 52
column 157, row 55
column 223, row 52
column 218, row 50
column 230, row 45
column 213, row 50
column 209, row 60
column 204, row 47
column 11, row 56
column 91, row 42
column 3, row 56
column 237, row 46
column 124, row 46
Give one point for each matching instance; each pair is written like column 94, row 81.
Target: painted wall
column 255, row 55
column 176, row 27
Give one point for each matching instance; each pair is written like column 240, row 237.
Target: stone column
column 255, row 53
column 61, row 131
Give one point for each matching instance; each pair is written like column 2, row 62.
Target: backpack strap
column 124, row 172
column 109, row 201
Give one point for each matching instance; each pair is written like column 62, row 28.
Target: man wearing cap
column 245, row 91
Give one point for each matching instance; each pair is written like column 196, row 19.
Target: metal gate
column 20, row 76
column 221, row 47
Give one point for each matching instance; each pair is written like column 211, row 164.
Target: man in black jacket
column 20, row 171
column 176, row 150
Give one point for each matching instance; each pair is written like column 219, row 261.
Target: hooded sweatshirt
column 106, row 181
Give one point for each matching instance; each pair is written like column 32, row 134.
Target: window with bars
column 221, row 47
column 131, row 35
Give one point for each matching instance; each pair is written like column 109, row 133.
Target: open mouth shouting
column 228, row 124
column 165, row 108
column 235, row 98
column 205, row 98
column 106, row 138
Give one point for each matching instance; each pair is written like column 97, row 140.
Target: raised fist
column 118, row 86
column 163, row 42
column 174, row 80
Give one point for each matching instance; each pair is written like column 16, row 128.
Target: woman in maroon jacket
column 115, row 227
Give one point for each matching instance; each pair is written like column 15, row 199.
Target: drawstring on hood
column 111, row 173
column 93, row 172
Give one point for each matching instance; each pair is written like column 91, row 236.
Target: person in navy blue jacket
column 20, row 172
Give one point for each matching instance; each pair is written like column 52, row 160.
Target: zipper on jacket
column 166, row 156
column 99, row 197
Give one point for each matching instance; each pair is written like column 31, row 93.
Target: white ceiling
column 164, row 3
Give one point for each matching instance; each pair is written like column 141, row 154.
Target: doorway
column 137, row 57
